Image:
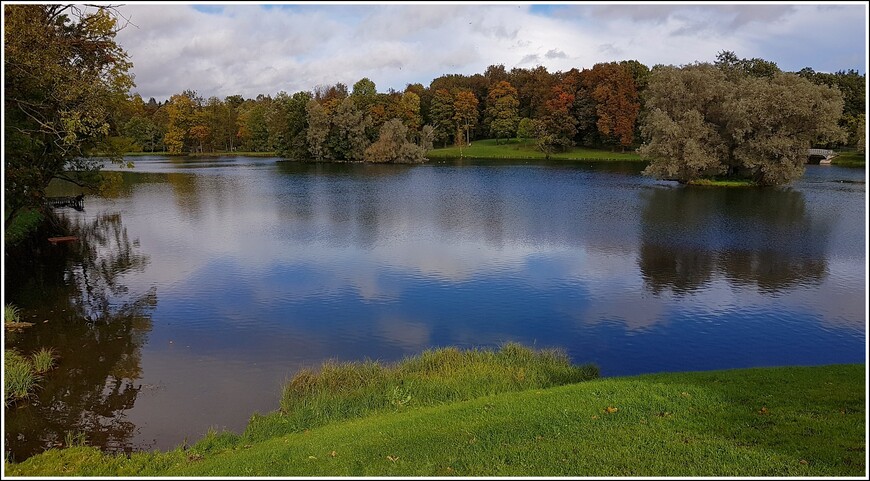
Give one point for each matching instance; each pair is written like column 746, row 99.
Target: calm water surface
column 199, row 287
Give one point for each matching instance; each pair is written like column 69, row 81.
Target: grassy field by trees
column 526, row 149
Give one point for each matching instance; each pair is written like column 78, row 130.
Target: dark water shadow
column 76, row 297
column 765, row 238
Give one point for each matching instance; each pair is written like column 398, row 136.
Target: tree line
column 600, row 107
column 591, row 107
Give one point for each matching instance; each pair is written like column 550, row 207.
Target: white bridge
column 824, row 156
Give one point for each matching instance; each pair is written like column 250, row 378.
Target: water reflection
column 265, row 267
column 83, row 309
column 758, row 237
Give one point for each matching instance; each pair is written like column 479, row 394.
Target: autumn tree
column 62, row 71
column 181, row 111
column 409, row 107
column 704, row 120
column 200, row 133
column 502, row 110
column 557, row 127
column 465, row 114
column 616, row 102
column 534, row 88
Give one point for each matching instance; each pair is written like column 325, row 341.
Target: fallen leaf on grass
column 610, row 410
column 763, row 410
column 312, row 457
column 803, row 461
column 685, row 394
column 333, row 454
column 393, row 458
column 594, row 416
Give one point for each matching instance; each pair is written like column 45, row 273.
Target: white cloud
column 251, row 49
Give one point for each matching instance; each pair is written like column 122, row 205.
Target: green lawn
column 850, row 159
column 513, row 149
column 792, row 421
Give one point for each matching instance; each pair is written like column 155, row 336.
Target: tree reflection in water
column 751, row 237
column 76, row 296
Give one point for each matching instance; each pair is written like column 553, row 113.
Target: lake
column 200, row 286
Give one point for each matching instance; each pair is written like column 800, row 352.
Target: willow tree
column 64, row 71
column 703, row 121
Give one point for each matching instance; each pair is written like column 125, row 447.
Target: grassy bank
column 513, row 149
column 794, row 421
column 850, row 159
column 724, row 183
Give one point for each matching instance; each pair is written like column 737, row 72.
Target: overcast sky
column 252, row 49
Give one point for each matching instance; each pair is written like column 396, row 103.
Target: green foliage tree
column 63, row 70
column 144, row 132
column 291, row 135
column 853, row 87
column 347, row 134
column 254, row 125
column 442, row 114
column 735, row 67
column 861, row 133
column 502, row 110
column 705, row 120
column 318, row 130
column 364, row 94
column 526, row 129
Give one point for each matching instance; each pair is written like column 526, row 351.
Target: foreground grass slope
column 794, row 421
column 513, row 149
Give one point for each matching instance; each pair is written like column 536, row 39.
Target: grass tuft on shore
column 43, row 360
column 19, row 377
column 345, row 390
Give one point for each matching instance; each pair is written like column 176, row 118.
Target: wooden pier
column 76, row 202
